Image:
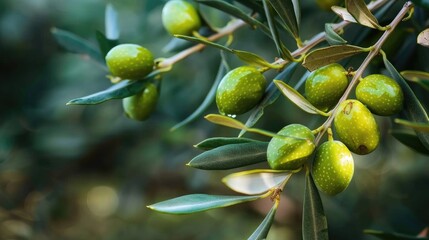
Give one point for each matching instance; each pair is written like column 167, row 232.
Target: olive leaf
column 225, row 121
column 421, row 127
column 297, row 98
column 361, row 13
column 343, row 14
column 314, row 222
column 286, row 11
column 423, row 38
column 262, row 230
column 270, row 96
column 419, row 77
column 212, row 143
column 207, row 100
column 199, row 202
column 333, row 37
column 392, row 235
column 409, row 139
column 111, row 22
column 413, row 109
column 104, row 43
column 76, row 44
column 327, row 55
column 231, row 156
column 256, row 181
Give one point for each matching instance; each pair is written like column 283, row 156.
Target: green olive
column 240, row 90
column 325, row 86
column 381, row 94
column 140, row 106
column 290, row 153
column 130, row 61
column 180, row 17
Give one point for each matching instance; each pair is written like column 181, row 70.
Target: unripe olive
column 290, row 153
column 180, row 17
column 327, row 4
column 240, row 90
column 129, row 61
column 325, row 86
column 333, row 167
column 140, row 106
column 381, row 94
column 356, row 127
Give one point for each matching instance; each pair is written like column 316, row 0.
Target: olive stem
column 374, row 52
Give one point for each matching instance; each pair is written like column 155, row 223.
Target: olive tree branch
column 375, row 49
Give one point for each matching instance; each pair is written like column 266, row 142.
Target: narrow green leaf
column 212, row 143
column 207, row 101
column 262, row 231
column 225, row 121
column 199, row 202
column 343, row 14
column 256, row 181
column 360, row 12
column 236, row 12
column 314, row 223
column 392, row 236
column 327, row 55
column 413, row 109
column 409, row 139
column 420, row 127
column 423, row 38
column 286, row 11
column 231, row 156
column 270, row 96
column 253, row 59
column 297, row 98
column 419, row 77
column 204, row 41
column 105, row 44
column 254, row 5
column 76, row 44
column 176, row 45
column 333, row 37
column 111, row 23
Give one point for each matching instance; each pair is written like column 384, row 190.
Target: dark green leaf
column 409, row 139
column 392, row 236
column 360, row 12
column 270, row 96
column 231, row 156
column 333, row 37
column 327, row 55
column 254, row 5
column 199, row 202
column 413, row 109
column 216, row 142
column 76, row 44
column 207, row 101
column 262, row 231
column 419, row 77
column 105, row 44
column 111, row 23
column 420, row 127
column 314, row 223
column 286, row 11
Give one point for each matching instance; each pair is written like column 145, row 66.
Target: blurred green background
column 88, row 172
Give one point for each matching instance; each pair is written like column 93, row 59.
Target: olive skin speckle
column 180, row 17
column 382, row 95
column 140, row 106
column 130, row 61
column 356, row 127
column 240, row 90
column 325, row 86
column 290, row 153
column 333, row 167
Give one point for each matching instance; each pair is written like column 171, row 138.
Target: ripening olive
column 325, row 86
column 356, row 127
column 240, row 90
column 180, row 17
column 140, row 106
column 129, row 61
column 381, row 94
column 333, row 167
column 290, row 153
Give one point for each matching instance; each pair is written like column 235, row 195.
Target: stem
column 374, row 52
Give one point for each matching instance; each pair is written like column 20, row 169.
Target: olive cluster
column 354, row 124
column 134, row 62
